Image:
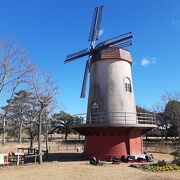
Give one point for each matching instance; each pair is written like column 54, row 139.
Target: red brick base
column 123, row 142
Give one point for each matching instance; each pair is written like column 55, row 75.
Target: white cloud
column 176, row 23
column 148, row 60
column 145, row 62
column 101, row 32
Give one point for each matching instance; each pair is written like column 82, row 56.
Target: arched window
column 94, row 113
column 127, row 84
column 94, row 108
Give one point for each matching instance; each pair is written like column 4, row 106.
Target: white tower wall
column 107, row 88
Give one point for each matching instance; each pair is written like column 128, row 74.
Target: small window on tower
column 127, row 84
column 94, row 113
column 95, row 107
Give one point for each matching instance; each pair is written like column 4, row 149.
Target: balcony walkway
column 115, row 119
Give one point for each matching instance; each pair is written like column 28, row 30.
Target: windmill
column 121, row 41
column 112, row 126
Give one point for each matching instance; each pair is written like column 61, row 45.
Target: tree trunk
column 20, row 133
column 4, row 132
column 39, row 135
column 3, row 138
column 51, row 137
column 31, row 142
column 31, row 136
column 66, row 134
column 47, row 142
column 44, row 138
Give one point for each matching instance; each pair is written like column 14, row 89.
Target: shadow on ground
column 65, row 157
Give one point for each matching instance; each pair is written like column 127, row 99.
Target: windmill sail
column 122, row 39
column 77, row 55
column 122, row 45
column 83, row 90
column 116, row 46
column 95, row 27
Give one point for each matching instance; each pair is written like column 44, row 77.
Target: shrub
column 175, row 153
column 161, row 163
column 177, row 161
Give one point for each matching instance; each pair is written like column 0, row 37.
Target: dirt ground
column 69, row 167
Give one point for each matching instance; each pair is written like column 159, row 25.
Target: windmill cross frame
column 121, row 41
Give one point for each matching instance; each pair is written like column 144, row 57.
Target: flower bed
column 160, row 166
column 164, row 168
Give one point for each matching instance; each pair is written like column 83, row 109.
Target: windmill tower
column 111, row 126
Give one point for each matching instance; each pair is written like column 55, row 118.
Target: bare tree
column 48, row 118
column 165, row 98
column 31, row 126
column 14, row 68
column 45, row 91
column 168, row 114
column 13, row 63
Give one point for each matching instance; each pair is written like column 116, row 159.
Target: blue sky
column 51, row 29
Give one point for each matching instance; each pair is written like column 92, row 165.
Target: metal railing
column 115, row 118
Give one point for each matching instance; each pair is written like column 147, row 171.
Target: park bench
column 30, row 153
column 16, row 158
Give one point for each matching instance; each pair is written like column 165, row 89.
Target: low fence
column 66, row 147
column 161, row 147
